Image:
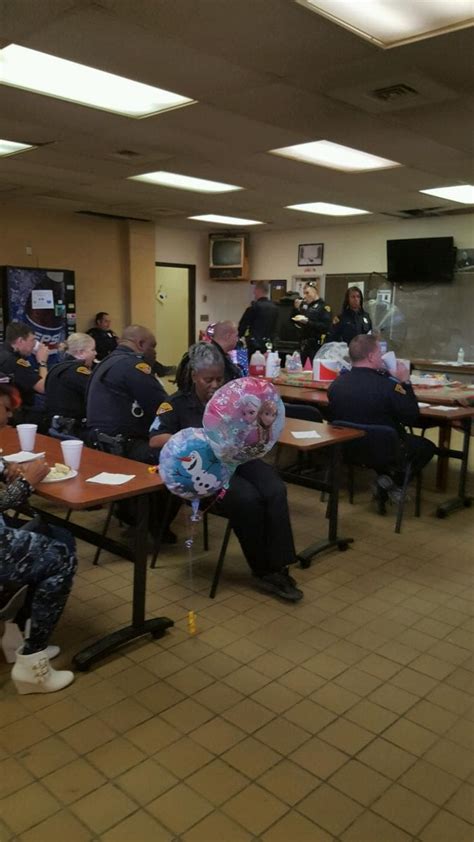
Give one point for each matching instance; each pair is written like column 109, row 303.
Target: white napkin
column 22, row 456
column 305, row 434
column 111, row 479
column 446, row 408
column 422, row 405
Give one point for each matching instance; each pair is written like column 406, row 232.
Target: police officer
column 353, row 320
column 124, row 393
column 314, row 319
column 66, row 386
column 28, row 378
column 256, row 502
column 105, row 339
column 258, row 323
column 369, row 395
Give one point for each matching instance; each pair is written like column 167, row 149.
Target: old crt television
column 421, row 260
column 228, row 257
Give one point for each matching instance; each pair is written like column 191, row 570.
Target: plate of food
column 299, row 318
column 59, row 473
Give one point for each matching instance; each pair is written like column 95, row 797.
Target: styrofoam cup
column 27, row 436
column 390, row 361
column 72, row 452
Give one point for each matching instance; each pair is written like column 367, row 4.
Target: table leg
column 139, row 627
column 462, row 500
column 306, row 556
column 444, row 444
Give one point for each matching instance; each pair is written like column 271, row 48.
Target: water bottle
column 460, row 358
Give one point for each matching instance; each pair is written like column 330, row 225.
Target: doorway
column 175, row 308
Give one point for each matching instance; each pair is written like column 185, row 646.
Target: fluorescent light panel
column 463, row 193
column 40, row 73
column 8, row 147
column 184, row 182
column 327, row 209
column 225, row 220
column 390, row 24
column 325, row 153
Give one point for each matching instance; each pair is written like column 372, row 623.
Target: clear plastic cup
column 27, row 436
column 72, row 452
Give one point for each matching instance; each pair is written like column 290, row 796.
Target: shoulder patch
column 144, row 367
column 327, row 307
column 335, row 320
column 399, row 388
column 164, row 407
column 23, row 362
column 82, row 369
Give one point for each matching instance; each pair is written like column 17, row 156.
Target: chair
column 11, row 601
column 379, row 449
column 114, row 445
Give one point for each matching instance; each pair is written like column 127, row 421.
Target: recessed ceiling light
column 327, row 209
column 185, row 182
column 463, row 193
column 225, row 220
column 324, row 153
column 8, row 147
column 390, row 24
column 40, row 73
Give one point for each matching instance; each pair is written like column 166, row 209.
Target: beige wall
column 109, row 257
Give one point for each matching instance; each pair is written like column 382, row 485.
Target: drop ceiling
column 265, row 74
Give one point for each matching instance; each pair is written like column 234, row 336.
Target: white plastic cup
column 390, row 361
column 27, row 436
column 72, row 452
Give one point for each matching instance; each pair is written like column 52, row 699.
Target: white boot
column 33, row 674
column 12, row 640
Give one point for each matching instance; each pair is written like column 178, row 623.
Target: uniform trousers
column 257, row 508
column 47, row 565
column 417, row 450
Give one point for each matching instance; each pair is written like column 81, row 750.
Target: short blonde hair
column 77, row 342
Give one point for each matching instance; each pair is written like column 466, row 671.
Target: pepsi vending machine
column 44, row 299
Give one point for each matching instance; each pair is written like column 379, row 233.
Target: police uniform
column 25, row 377
column 367, row 396
column 65, row 389
column 314, row 331
column 105, row 341
column 255, row 503
column 348, row 324
column 122, row 398
column 259, row 322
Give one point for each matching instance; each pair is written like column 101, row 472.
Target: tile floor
column 347, row 717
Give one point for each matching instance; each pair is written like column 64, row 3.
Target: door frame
column 191, row 294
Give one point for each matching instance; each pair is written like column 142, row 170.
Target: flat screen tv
column 421, row 260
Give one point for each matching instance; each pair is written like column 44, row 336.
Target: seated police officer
column 368, row 394
column 105, row 339
column 28, row 378
column 66, row 386
column 124, row 393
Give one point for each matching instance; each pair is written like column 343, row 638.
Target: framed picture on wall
column 310, row 254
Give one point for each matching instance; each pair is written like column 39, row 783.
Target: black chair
column 379, row 449
column 11, row 600
column 115, row 446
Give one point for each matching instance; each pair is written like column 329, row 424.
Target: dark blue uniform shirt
column 367, row 396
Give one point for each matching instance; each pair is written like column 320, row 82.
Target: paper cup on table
column 27, row 436
column 72, row 452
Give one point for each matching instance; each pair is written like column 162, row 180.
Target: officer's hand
column 35, row 471
column 42, row 354
column 298, row 302
column 12, row 472
column 402, row 372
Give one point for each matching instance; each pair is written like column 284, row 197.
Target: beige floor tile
column 125, row 715
column 289, row 782
column 431, row 716
column 444, row 827
column 294, row 826
column 164, row 663
column 310, row 716
column 179, row 808
column 251, row 757
column 405, row 809
column 100, row 695
column 357, row 681
column 139, row 827
column 282, row 735
column 218, row 697
column 248, row 715
column 370, row 716
column 152, row 735
column 414, row 682
column 13, row 776
column 450, row 698
column 276, row 697
column 218, row 664
column 71, row 782
column 451, row 757
column 157, row 701
column 187, row 715
column 217, row 735
column 360, row 782
column 462, row 803
column 387, row 758
column 372, row 828
column 183, row 757
column 302, row 681
column 335, row 698
column 272, row 665
column 87, row 735
column 20, row 735
column 46, row 756
column 432, row 783
column 63, row 714
column 255, row 808
column 57, row 828
column 190, row 680
column 103, row 808
column 410, row 736
column 115, row 757
column 217, row 827
column 346, row 736
column 217, row 782
column 319, row 758
column 393, row 698
column 27, row 807
column 331, row 809
column 246, row 680
column 146, row 781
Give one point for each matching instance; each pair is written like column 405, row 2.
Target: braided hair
column 200, row 355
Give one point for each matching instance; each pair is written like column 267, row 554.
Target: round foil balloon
column 189, row 466
column 244, row 419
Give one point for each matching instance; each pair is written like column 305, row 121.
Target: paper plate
column 70, row 475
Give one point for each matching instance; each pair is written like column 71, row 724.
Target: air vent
column 112, row 216
column 426, row 213
column 126, row 154
column 394, row 92
column 417, row 212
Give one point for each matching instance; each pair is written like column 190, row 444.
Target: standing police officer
column 66, row 386
column 314, row 319
column 258, row 323
column 353, row 320
column 29, row 379
column 124, row 393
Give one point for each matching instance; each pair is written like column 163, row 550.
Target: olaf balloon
column 189, row 467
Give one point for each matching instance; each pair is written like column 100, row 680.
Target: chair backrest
column 303, row 412
column 379, row 448
column 110, row 444
column 55, row 434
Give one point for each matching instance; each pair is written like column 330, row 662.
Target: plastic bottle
column 460, row 358
column 257, row 364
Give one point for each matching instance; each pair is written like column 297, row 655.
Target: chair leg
column 220, row 561
column 205, row 531
column 105, row 529
column 401, row 502
column 350, row 482
column 163, row 526
column 418, row 495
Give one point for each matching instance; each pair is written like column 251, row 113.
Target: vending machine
column 44, row 299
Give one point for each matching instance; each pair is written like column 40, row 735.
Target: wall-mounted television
column 421, row 260
column 228, row 257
